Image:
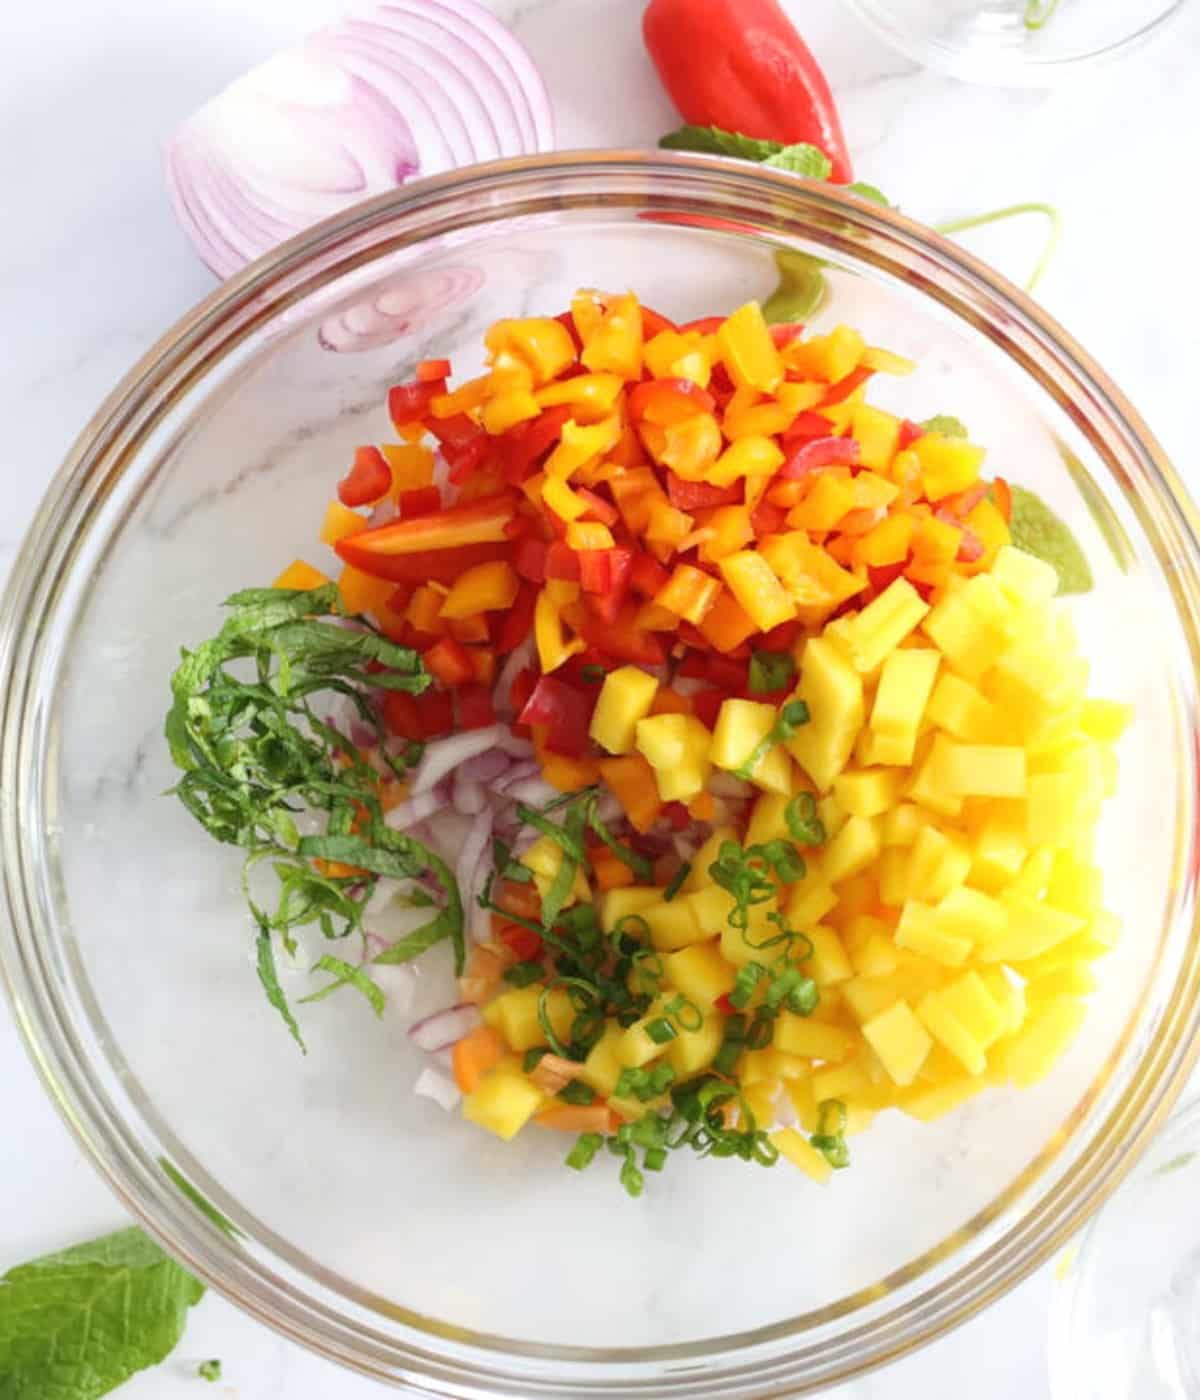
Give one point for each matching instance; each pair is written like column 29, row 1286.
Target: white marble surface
column 92, row 269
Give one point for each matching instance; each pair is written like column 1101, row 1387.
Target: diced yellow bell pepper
column 747, row 457
column 489, row 587
column 552, row 647
column 302, row 576
column 588, row 535
column 580, row 444
column 877, row 434
column 757, row 589
column 340, row 523
column 411, row 464
column 816, row 583
column 830, row 499
column 829, row 357
column 747, row 350
column 594, row 392
column 689, row 593
column 507, row 410
column 361, row 593
column 614, row 343
column 544, row 344
column 948, row 465
column 692, row 446
column 760, row 420
column 559, row 497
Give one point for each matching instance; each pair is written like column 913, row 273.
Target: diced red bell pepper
column 530, row 559
column 436, row 709
column 567, row 320
column 421, row 500
column 449, row 661
column 784, row 332
column 524, row 943
column 767, row 518
column 653, row 323
column 909, row 433
column 1002, row 495
column 781, row 638
column 837, row 393
column 647, row 576
column 608, row 572
column 434, row 566
column 597, row 507
column 564, row 712
column 479, row 522
column 622, row 640
column 524, row 445
column 699, row 495
column 522, row 688
column 475, row 708
column 707, row 706
column 706, row 325
column 409, row 403
column 402, row 715
column 970, row 548
column 431, row 370
column 518, row 620
column 724, row 1005
column 820, row 452
column 367, row 481
column 667, row 401
column 677, row 816
column 562, row 562
column 804, row 426
column 885, row 575
column 730, row 676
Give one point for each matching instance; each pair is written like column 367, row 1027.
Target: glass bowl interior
column 318, row 1190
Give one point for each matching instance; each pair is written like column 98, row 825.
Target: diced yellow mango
column 868, row 636
column 948, row 1031
column 1054, row 803
column 900, row 1041
column 938, row 863
column 1076, row 980
column 635, row 1047
column 741, row 946
column 963, row 711
column 1033, row 928
column 876, row 957
column 928, row 1102
column 999, row 847
column 504, row 1101
column 1032, row 1053
column 832, row 814
column 853, row 849
column 625, row 698
column 544, row 858
column 698, row 877
column 840, row 1082
column 967, row 998
column 700, row 973
column 1076, row 887
column 828, row 963
column 918, row 930
column 768, row 820
column 867, row 793
column 833, row 692
column 801, row 1153
column 741, row 726
column 797, row 1035
column 905, row 683
column 630, row 899
column 515, row 1015
column 893, row 876
column 674, row 925
column 601, row 1070
column 1024, row 578
column 810, row 899
column 902, row 824
column 980, row 770
column 711, row 908
column 691, row 1051
column 677, row 748
column 927, row 787
column 969, row 642
column 967, row 913
column 1008, row 994
column 1105, row 720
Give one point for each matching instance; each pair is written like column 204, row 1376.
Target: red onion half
column 402, row 89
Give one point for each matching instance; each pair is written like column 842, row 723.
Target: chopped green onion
column 782, row 857
column 661, row 1031
column 686, row 1012
column 642, row 868
column 577, row 1092
column 524, row 974
column 791, row 717
column 761, row 1031
column 655, row 1159
column 632, row 1179
column 829, row 1141
column 677, row 881
column 661, row 1078
column 802, row 820
column 584, row 1151
column 771, row 671
column 745, row 983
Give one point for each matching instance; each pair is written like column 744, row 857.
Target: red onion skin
column 443, row 1028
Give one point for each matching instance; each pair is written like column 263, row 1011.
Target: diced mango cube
column 741, row 726
column 1033, row 1052
column 1033, row 928
column 900, row 1041
column 1105, row 720
column 854, row 848
column 902, row 824
column 630, row 899
column 741, row 946
column 918, row 930
column 692, row 1050
column 700, row 973
column 504, row 1101
column 833, row 692
column 947, row 464
column 828, row 963
column 927, row 786
column 999, row 847
column 973, row 1006
column 963, row 711
column 928, row 1102
column 768, row 820
column 948, row 1031
column 868, row 636
column 981, row 770
column 969, row 914
column 674, row 925
column 905, row 683
column 840, row 1082
column 676, row 747
column 602, row 1069
column 515, row 1014
column 938, row 863
column 1024, row 578
column 867, row 793
column 801, row 1153
column 969, row 642
column 797, row 1035
column 810, row 899
column 625, row 698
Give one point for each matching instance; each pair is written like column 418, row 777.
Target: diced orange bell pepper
column 732, row 531
column 465, row 399
column 635, row 491
column 449, row 662
column 747, row 350
column 666, row 527
column 411, row 464
column 727, row 624
column 615, row 342
column 485, row 588
column 986, row 521
column 831, row 497
column 586, row 535
column 595, row 393
column 754, row 584
column 568, row 774
column 651, row 617
column 484, row 665
column 611, row 873
column 424, row 610
column 888, row 542
column 668, row 401
column 362, row 593
column 476, row 1053
column 580, row 444
column 763, row 420
column 543, row 343
column 666, row 348
column 632, row 782
column 689, row 593
column 340, row 522
column 479, row 522
column 301, row 576
column 691, row 446
column 628, row 451
column 702, row 808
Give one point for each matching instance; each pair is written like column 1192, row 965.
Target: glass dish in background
column 1007, row 42
column 319, row 1193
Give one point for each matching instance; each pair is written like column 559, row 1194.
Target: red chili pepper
column 647, row 576
column 844, row 387
column 804, row 426
column 741, row 65
column 421, row 500
column 367, row 481
column 436, row 708
column 566, row 714
column 449, row 662
column 517, row 621
column 409, row 403
column 820, row 452
column 562, row 562
column 622, row 640
column 402, row 715
column 784, row 332
column 909, row 433
column 597, row 507
column 699, row 495
column 530, row 559
column 475, row 708
column 428, row 371
column 524, row 942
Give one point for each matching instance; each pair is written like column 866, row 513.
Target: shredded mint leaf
column 202, row 1204
column 945, row 424
column 1038, row 531
column 869, row 192
column 209, row 1370
column 802, row 159
column 801, row 288
column 712, row 141
column 76, row 1324
column 269, row 978
column 347, row 973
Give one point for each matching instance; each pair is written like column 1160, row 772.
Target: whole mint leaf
column 77, row 1324
column 1036, row 529
column 947, row 425
column 801, row 287
column 712, row 141
column 871, row 193
column 802, row 159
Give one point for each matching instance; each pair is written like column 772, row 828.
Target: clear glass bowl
column 318, row 1192
column 1002, row 42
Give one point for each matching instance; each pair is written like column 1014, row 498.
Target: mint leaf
column 1036, row 529
column 802, row 159
column 76, row 1324
column 801, row 287
column 270, row 984
column 711, row 140
column 209, row 1370
column 869, row 192
column 945, row 424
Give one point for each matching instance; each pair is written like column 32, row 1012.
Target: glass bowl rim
column 265, row 1278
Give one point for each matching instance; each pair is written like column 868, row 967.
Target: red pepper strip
column 522, row 688
column 530, row 560
column 699, row 495
column 522, row 446
column 436, row 708
column 954, row 508
column 432, row 566
column 654, row 324
column 431, row 370
column 567, row 320
column 421, row 500
column 475, row 708
column 732, row 676
column 820, row 452
column 523, row 942
column 409, row 403
column 647, row 576
column 667, row 401
column 367, row 481
column 741, row 65
column 479, row 522
column 562, row 562
column 784, row 332
column 767, row 518
column 466, row 458
column 909, row 433
column 1003, row 496
column 806, row 425
column 566, row 714
column 706, row 325
column 608, row 601
column 622, row 640
column 837, row 393
column 595, row 575
column 707, row 705
column 597, row 507
column 517, row 621
column 401, row 715
column 449, row 661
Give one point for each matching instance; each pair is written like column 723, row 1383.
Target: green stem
column 1011, row 211
column 1037, row 12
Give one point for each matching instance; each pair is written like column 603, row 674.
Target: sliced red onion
column 433, row 1084
column 685, row 848
column 362, row 736
column 444, row 1058
column 414, row 810
column 534, row 792
column 444, row 1027
column 407, row 88
column 520, row 657
column 520, row 772
column 383, row 513
column 469, row 798
column 471, row 869
column 514, row 744
column 608, row 808
column 484, row 767
column 444, row 755
column 726, row 785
